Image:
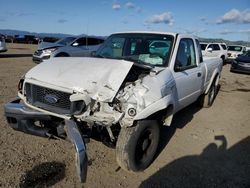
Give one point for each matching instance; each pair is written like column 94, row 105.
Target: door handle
column 199, row 74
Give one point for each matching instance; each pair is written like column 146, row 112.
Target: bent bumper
column 22, row 118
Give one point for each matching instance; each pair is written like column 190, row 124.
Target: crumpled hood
column 97, row 77
column 45, row 45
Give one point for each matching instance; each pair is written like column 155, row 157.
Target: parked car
column 9, row 39
column 124, row 94
column 49, row 39
column 234, row 51
column 67, row 47
column 241, row 63
column 214, row 50
column 3, row 47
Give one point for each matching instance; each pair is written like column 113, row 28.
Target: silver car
column 68, row 47
column 3, row 47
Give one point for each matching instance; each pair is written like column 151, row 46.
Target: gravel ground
column 203, row 147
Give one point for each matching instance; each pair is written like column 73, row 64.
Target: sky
column 227, row 19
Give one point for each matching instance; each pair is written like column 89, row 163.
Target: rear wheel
column 136, row 146
column 207, row 100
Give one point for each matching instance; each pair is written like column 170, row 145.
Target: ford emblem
column 52, row 99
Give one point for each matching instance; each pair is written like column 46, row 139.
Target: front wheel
column 136, row 146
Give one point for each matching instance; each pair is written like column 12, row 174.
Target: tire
column 223, row 60
column 137, row 146
column 62, row 55
column 207, row 100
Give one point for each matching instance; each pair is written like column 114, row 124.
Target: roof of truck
column 148, row 32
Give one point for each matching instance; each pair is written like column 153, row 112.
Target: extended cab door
column 188, row 72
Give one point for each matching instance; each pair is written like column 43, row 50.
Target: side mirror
column 209, row 49
column 75, row 44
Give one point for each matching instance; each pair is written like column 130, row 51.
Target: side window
column 81, row 41
column 185, row 58
column 199, row 50
column 93, row 41
column 210, row 46
column 223, row 46
column 216, row 47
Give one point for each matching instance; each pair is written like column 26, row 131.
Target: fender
column 159, row 105
column 216, row 75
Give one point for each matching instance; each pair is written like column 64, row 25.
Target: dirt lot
column 203, row 148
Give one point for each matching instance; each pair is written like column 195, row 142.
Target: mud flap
column 75, row 137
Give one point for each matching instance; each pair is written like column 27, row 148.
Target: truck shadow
column 14, row 55
column 43, row 175
column 180, row 120
column 216, row 166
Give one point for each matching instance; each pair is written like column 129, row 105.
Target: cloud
column 227, row 31
column 139, row 10
column 116, row 6
column 235, row 16
column 62, row 20
column 165, row 17
column 129, row 5
column 203, row 19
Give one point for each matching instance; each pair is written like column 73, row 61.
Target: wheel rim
column 144, row 147
column 211, row 94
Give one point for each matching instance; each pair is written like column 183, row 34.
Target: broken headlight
column 77, row 107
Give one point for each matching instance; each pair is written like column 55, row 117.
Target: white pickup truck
column 134, row 85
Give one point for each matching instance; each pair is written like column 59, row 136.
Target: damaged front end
column 71, row 107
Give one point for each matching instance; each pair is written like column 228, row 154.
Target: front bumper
column 39, row 59
column 22, row 118
column 243, row 68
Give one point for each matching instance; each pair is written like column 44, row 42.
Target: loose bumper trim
column 81, row 160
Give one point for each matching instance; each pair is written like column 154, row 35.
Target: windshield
column 149, row 49
column 203, row 46
column 234, row 48
column 66, row 41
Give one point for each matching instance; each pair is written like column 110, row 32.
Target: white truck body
column 123, row 92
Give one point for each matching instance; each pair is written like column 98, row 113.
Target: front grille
column 38, row 52
column 39, row 97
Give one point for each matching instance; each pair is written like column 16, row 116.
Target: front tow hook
column 81, row 159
